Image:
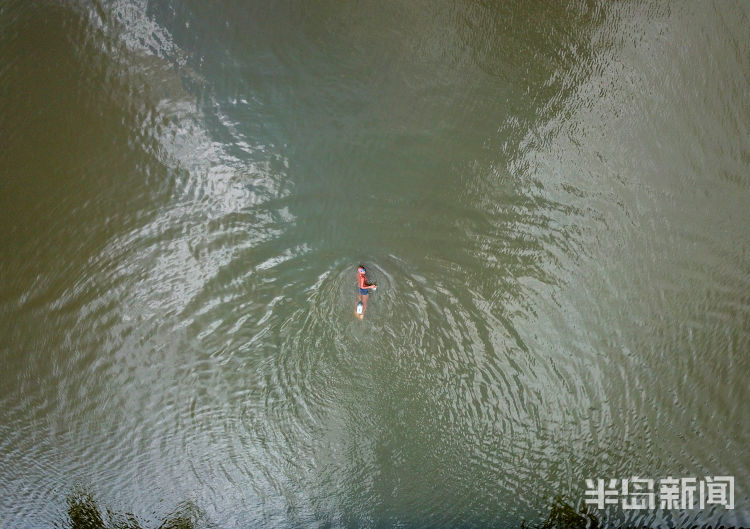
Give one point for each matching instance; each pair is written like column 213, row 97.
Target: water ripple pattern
column 552, row 199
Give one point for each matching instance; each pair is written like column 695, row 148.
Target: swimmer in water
column 364, row 289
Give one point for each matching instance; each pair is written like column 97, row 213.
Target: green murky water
column 553, row 199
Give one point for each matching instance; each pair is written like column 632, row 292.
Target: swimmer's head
column 361, row 270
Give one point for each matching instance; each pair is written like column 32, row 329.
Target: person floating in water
column 364, row 290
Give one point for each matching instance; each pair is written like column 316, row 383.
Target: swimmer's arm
column 362, row 283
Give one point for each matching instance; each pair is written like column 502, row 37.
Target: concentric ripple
column 551, row 197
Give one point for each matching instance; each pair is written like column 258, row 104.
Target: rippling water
column 553, row 199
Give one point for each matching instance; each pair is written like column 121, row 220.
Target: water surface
column 553, row 200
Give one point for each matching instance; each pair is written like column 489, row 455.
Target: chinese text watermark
column 670, row 494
